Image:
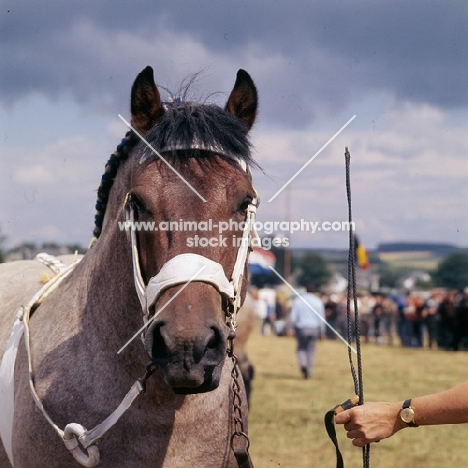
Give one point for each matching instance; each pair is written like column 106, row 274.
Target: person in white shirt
column 308, row 321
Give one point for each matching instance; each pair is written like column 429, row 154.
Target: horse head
column 188, row 197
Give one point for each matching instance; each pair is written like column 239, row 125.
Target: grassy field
column 286, row 417
column 417, row 260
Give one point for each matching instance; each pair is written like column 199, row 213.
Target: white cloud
column 49, row 191
column 33, row 175
column 66, row 163
column 408, row 177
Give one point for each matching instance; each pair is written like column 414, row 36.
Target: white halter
column 189, row 267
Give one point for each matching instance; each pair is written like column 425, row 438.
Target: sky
column 399, row 67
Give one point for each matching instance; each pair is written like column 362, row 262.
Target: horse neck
column 112, row 301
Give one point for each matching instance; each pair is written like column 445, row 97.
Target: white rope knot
column 71, row 438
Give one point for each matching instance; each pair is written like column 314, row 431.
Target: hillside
column 399, row 257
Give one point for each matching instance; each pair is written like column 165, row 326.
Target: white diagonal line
column 160, row 310
column 313, row 310
column 160, row 157
column 312, row 158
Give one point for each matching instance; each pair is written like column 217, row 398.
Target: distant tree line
column 312, row 268
column 453, row 271
column 27, row 250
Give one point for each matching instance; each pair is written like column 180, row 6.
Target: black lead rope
column 357, row 377
column 358, row 382
column 330, row 426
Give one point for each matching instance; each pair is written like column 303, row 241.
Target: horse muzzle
column 190, row 362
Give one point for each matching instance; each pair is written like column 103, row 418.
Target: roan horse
column 190, row 408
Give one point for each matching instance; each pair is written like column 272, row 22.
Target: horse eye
column 245, row 204
column 138, row 204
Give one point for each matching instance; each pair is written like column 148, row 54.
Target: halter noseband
column 190, row 267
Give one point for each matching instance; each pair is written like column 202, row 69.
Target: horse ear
column 243, row 101
column 145, row 102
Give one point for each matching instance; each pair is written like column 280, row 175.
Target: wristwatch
column 407, row 414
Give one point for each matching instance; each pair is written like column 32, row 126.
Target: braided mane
column 120, row 155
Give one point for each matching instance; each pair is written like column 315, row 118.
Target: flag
column 361, row 254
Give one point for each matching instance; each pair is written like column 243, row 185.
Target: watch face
column 407, row 415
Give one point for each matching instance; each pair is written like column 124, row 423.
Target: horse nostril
column 214, row 347
column 215, row 340
column 156, row 345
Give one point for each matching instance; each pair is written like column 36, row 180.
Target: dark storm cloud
column 320, row 54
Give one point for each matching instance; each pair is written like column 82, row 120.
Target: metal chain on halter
column 357, row 379
column 239, row 440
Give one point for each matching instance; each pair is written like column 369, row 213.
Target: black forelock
column 204, row 127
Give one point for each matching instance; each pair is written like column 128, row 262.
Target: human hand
column 371, row 422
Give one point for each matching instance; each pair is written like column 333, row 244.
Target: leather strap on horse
column 243, row 459
column 330, row 425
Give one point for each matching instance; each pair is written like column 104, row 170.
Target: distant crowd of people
column 437, row 319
